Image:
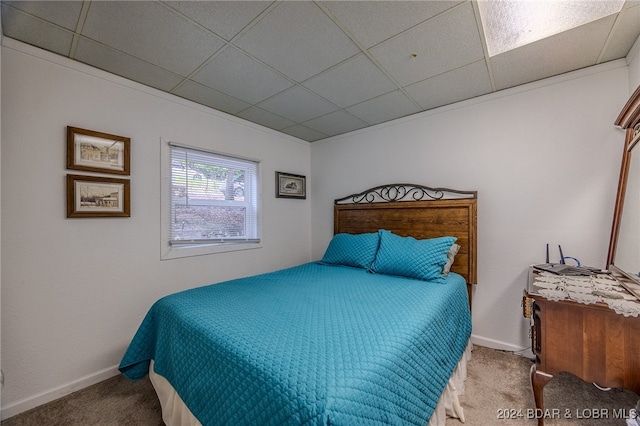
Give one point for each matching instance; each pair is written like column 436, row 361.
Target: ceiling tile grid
column 373, row 22
column 298, row 39
column 64, row 13
column 152, row 32
column 449, row 41
column 120, row 63
column 265, row 118
column 229, row 19
column 462, row 83
column 310, row 69
column 38, row 32
column 355, row 80
column 564, row 52
column 238, row 75
column 305, row 133
column 298, row 104
column 624, row 34
column 336, row 123
column 385, row 108
column 210, row 97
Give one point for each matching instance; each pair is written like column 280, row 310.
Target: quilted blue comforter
column 309, row 345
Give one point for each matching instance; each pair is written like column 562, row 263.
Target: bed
column 373, row 333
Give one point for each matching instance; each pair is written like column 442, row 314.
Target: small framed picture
column 92, row 151
column 94, row 196
column 289, row 185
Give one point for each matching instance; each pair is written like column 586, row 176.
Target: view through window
column 213, row 198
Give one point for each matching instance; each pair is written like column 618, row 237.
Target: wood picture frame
column 95, row 196
column 289, row 185
column 92, row 151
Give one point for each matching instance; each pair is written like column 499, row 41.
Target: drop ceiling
column 310, row 69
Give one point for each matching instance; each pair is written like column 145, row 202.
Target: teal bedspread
column 309, row 345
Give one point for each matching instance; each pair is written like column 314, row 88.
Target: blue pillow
column 408, row 257
column 356, row 250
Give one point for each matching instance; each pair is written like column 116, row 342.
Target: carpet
column 497, row 392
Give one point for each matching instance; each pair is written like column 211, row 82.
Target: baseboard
column 501, row 346
column 53, row 394
column 91, row 379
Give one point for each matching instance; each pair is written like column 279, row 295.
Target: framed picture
column 290, row 186
column 93, row 196
column 97, row 152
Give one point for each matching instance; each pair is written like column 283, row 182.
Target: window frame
column 169, row 251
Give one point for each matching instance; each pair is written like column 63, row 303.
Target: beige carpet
column 498, row 383
column 498, row 392
column 114, row 402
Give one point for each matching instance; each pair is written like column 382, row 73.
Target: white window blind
column 213, row 198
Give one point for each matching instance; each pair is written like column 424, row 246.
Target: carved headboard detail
column 417, row 211
column 404, row 192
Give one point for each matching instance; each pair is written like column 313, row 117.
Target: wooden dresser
column 591, row 341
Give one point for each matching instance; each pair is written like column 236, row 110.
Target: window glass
column 213, row 199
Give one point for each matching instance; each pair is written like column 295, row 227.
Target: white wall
column 75, row 290
column 628, row 252
column 544, row 158
column 633, row 60
column 1, row 372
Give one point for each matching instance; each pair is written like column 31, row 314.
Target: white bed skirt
column 176, row 413
column 449, row 404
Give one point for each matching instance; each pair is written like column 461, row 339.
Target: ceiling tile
column 511, row 24
column 384, row 108
column 304, row 133
column 265, row 118
column 152, row 32
column 335, row 123
column 571, row 50
column 454, row 86
column 298, row 104
column 355, row 80
column 626, row 32
column 298, row 39
column 446, row 42
column 372, row 22
column 26, row 28
column 225, row 18
column 236, row 74
column 209, row 97
column 295, row 65
column 124, row 65
column 63, row 13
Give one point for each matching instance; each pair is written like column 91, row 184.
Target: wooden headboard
column 417, row 211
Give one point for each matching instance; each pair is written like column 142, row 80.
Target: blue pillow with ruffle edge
column 408, row 257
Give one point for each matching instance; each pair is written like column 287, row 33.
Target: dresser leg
column 538, row 381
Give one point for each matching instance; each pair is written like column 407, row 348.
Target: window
column 211, row 202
